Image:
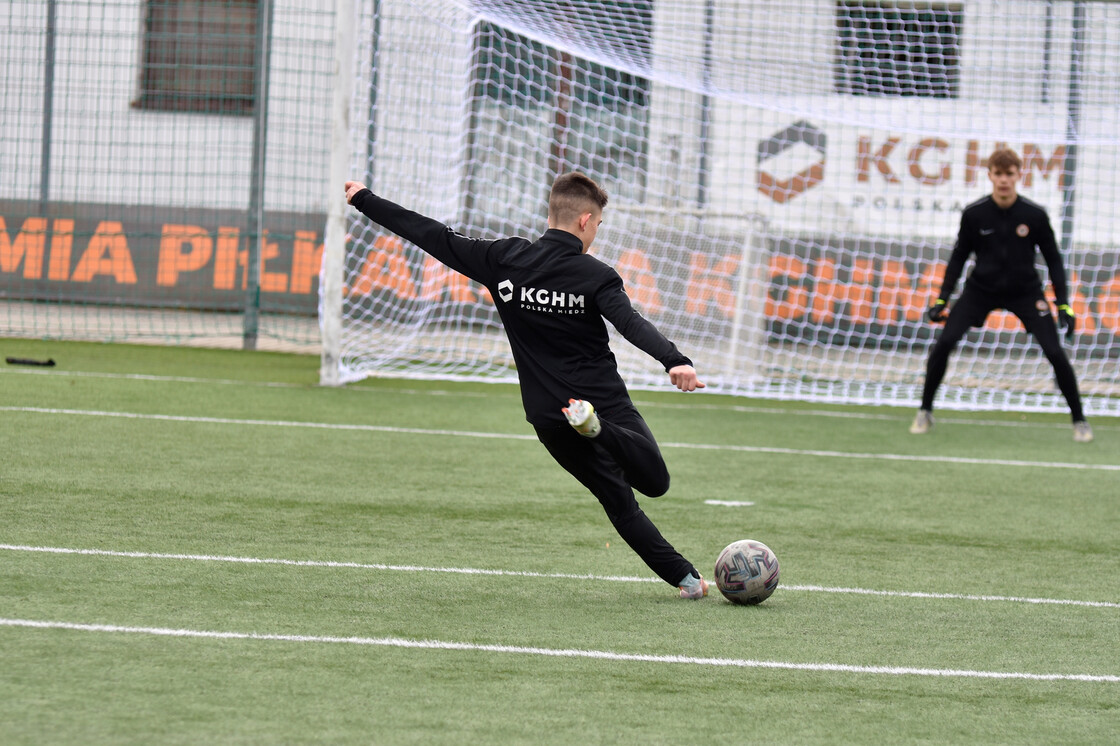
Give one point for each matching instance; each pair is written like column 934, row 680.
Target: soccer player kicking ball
column 1003, row 230
column 552, row 297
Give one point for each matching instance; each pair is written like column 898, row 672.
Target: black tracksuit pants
column 623, row 458
column 1031, row 308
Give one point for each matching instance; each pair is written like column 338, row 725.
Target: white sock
column 689, row 581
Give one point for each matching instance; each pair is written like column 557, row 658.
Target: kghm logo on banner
column 782, row 187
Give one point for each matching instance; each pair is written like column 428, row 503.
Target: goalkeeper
column 552, row 298
column 1003, row 230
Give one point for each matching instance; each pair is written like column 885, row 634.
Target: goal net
column 786, row 181
column 162, row 170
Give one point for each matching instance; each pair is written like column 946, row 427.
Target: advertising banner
column 156, row 256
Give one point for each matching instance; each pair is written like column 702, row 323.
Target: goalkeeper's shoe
column 1082, row 433
column 923, row 422
column 699, row 590
column 581, row 416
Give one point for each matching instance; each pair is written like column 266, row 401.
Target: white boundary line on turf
column 895, row 457
column 941, row 418
column 529, row 574
column 607, row 655
column 271, row 423
column 327, row 563
column 691, row 405
column 511, row 436
column 154, row 378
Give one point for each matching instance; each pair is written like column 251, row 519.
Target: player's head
column 576, row 205
column 1004, row 168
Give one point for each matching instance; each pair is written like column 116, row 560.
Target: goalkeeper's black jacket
column 552, row 299
column 1004, row 242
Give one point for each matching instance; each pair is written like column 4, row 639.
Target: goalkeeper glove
column 1067, row 320
column 937, row 311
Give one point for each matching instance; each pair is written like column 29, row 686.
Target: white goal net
column 786, row 181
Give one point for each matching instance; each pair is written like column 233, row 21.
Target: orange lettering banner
column 173, row 257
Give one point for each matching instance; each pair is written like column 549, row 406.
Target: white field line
column 529, row 574
column 146, row 377
column 512, row 436
column 895, row 457
column 235, row 382
column 603, row 655
column 270, row 423
column 693, row 404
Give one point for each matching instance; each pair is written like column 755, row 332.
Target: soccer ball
column 747, row 572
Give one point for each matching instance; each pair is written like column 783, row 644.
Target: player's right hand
column 938, row 312
column 1067, row 320
column 352, row 188
column 684, row 378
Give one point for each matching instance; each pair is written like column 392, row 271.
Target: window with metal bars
column 199, row 56
column 898, row 49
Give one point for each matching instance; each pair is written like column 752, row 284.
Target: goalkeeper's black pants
column 624, row 457
column 1031, row 308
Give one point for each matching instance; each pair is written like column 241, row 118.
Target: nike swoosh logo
column 987, row 232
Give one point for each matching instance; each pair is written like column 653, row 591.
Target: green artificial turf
column 205, row 546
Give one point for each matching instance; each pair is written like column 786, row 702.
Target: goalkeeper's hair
column 1004, row 159
column 574, row 194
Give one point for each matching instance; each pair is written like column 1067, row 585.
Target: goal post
column 334, row 235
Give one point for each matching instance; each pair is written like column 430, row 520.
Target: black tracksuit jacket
column 552, row 299
column 1004, row 242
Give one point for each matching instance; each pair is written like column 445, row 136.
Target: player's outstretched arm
column 467, row 256
column 684, row 378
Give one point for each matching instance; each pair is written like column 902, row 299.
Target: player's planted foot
column 923, row 422
column 693, row 586
column 1082, row 433
column 581, row 416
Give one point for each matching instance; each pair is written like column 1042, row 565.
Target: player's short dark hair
column 574, row 194
column 1004, row 159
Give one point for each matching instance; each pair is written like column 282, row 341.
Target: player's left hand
column 352, row 188
column 1067, row 320
column 684, row 378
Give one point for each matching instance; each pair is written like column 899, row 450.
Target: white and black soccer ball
column 747, row 572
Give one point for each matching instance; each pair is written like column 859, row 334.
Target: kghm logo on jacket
column 542, row 300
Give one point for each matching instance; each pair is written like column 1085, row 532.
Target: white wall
column 104, row 150
column 422, row 111
column 21, row 99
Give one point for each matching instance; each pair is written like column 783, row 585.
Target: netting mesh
column 786, row 180
column 163, row 166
